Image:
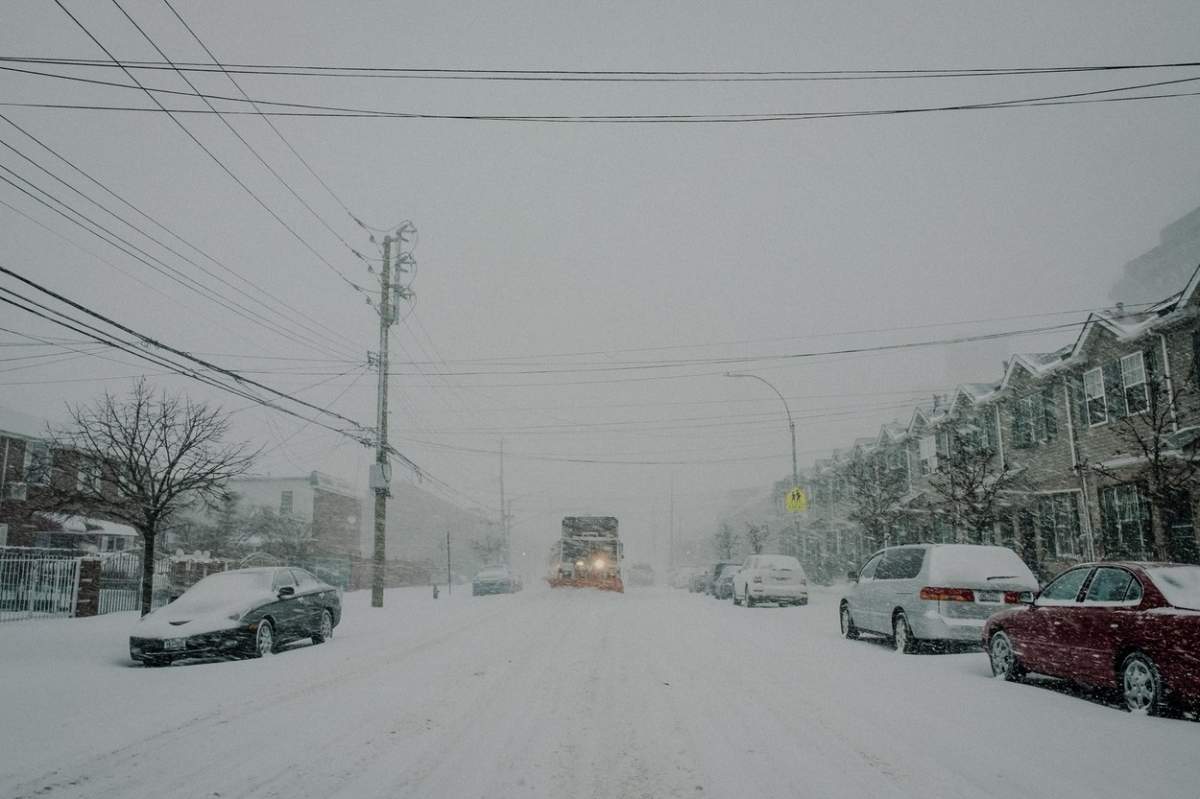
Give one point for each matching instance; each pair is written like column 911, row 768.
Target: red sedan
column 1134, row 627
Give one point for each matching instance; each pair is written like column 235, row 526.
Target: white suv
column 770, row 578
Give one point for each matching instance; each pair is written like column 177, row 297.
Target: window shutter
column 1114, row 389
column 1079, row 411
column 1155, row 388
column 1050, row 412
column 1020, row 425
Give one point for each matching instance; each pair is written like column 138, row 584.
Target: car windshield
column 1179, row 584
column 523, row 399
column 220, row 590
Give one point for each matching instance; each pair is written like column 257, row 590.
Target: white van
column 934, row 592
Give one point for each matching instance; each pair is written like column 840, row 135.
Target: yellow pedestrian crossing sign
column 797, row 500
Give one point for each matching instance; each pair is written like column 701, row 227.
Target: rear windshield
column 1179, row 584
column 778, row 562
column 967, row 566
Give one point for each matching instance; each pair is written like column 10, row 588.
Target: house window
column 1126, row 521
column 1058, row 519
column 286, row 499
column 1133, row 378
column 928, row 454
column 1093, row 391
column 88, row 477
column 37, row 463
column 1035, row 419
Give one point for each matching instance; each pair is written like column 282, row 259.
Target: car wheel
column 1003, row 657
column 1142, row 685
column 264, row 639
column 747, row 599
column 325, row 630
column 847, row 622
column 902, row 635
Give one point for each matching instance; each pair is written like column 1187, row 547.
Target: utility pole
column 449, row 582
column 381, row 474
column 503, row 508
column 671, row 530
column 391, row 292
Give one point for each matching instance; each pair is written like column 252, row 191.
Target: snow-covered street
column 564, row 693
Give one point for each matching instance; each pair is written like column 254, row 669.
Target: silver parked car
column 934, row 592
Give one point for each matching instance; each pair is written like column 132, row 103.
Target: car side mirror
column 286, row 591
column 852, row 576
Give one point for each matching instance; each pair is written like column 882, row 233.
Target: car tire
column 748, row 599
column 902, row 635
column 849, row 631
column 264, row 639
column 1003, row 657
column 1142, row 686
column 325, row 629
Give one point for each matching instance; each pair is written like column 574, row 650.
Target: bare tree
column 488, row 549
column 757, row 536
column 1155, row 447
column 141, row 459
column 725, row 542
column 875, row 491
column 970, row 480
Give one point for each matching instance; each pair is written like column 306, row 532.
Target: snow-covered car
column 495, row 580
column 241, row 612
column 1134, row 627
column 641, row 574
column 723, row 586
column 934, row 592
column 710, row 577
column 770, row 578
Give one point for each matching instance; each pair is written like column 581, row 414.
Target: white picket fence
column 37, row 584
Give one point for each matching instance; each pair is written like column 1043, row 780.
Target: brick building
column 330, row 507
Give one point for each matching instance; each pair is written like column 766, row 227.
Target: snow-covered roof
column 83, row 525
column 977, row 392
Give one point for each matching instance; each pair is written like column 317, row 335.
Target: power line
column 319, row 110
column 320, row 219
column 293, row 314
column 602, row 76
column 273, row 127
column 150, row 93
column 144, row 257
column 153, row 343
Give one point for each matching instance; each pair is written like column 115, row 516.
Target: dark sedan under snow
column 245, row 612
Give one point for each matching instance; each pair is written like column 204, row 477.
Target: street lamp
column 791, row 424
column 791, row 429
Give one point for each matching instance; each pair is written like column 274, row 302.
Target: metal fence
column 121, row 582
column 37, row 583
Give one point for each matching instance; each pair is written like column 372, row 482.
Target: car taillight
column 1017, row 597
column 948, row 594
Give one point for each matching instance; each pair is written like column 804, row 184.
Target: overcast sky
column 556, row 246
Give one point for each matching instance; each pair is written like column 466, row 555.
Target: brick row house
column 29, row 469
column 1088, row 452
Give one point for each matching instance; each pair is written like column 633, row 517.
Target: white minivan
column 934, row 592
column 770, row 578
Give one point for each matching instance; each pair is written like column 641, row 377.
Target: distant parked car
column 710, row 582
column 641, row 574
column 933, row 592
column 770, row 578
column 723, row 587
column 242, row 612
column 1134, row 627
column 495, row 580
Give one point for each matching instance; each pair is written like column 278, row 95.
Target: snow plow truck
column 588, row 554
